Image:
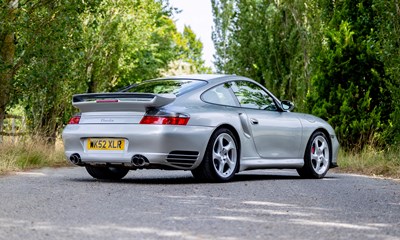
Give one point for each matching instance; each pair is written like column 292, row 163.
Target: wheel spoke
column 325, row 161
column 314, row 156
column 217, row 156
column 230, row 162
column 221, row 167
column 318, row 166
column 316, row 147
column 221, row 143
column 229, row 146
column 322, row 147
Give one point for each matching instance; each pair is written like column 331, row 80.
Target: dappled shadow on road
column 188, row 179
column 268, row 176
column 263, row 177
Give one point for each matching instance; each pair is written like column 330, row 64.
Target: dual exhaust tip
column 76, row 159
column 137, row 160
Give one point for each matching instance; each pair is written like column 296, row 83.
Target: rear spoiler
column 95, row 102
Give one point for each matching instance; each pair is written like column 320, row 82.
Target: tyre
column 109, row 173
column 221, row 160
column 316, row 157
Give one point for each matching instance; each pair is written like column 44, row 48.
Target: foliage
column 388, row 31
column 191, row 50
column 47, row 42
column 336, row 59
column 63, row 47
column 223, row 11
column 350, row 87
column 266, row 40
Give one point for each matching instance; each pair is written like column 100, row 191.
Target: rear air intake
column 184, row 159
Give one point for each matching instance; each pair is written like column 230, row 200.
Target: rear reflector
column 164, row 120
column 74, row 120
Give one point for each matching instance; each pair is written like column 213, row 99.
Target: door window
column 250, row 95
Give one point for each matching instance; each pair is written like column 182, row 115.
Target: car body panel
column 277, row 135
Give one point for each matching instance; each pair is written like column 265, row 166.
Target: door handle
column 253, row 121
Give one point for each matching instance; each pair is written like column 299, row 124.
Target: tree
column 189, row 55
column 223, row 11
column 48, row 44
column 7, row 54
column 336, row 59
column 387, row 24
column 53, row 49
column 350, row 85
column 266, row 40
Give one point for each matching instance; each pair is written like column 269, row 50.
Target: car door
column 276, row 134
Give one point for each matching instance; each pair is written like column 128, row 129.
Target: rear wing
column 96, row 102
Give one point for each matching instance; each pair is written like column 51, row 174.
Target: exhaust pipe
column 75, row 159
column 139, row 161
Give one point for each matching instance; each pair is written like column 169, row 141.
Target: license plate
column 105, row 144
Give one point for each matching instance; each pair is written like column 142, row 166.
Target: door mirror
column 287, row 105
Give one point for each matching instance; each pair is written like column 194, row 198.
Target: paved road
column 67, row 204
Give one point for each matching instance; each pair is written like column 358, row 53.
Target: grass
column 25, row 154
column 385, row 163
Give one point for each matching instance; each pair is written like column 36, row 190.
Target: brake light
column 107, row 100
column 74, row 120
column 160, row 120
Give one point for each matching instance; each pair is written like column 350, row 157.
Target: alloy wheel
column 224, row 156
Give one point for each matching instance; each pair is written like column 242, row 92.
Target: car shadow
column 187, row 179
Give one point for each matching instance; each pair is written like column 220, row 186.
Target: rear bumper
column 155, row 142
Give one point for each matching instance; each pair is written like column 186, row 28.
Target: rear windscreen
column 177, row 87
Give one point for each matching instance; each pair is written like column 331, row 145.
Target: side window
column 250, row 95
column 220, row 95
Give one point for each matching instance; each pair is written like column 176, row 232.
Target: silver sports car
column 212, row 125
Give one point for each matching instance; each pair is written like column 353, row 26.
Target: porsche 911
column 212, row 125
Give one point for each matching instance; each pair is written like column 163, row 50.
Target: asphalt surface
column 68, row 204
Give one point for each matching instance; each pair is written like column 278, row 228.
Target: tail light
column 75, row 119
column 107, row 100
column 165, row 118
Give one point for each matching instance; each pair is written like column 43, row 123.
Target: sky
column 198, row 15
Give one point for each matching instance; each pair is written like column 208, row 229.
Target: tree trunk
column 92, row 85
column 7, row 55
column 1, row 124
